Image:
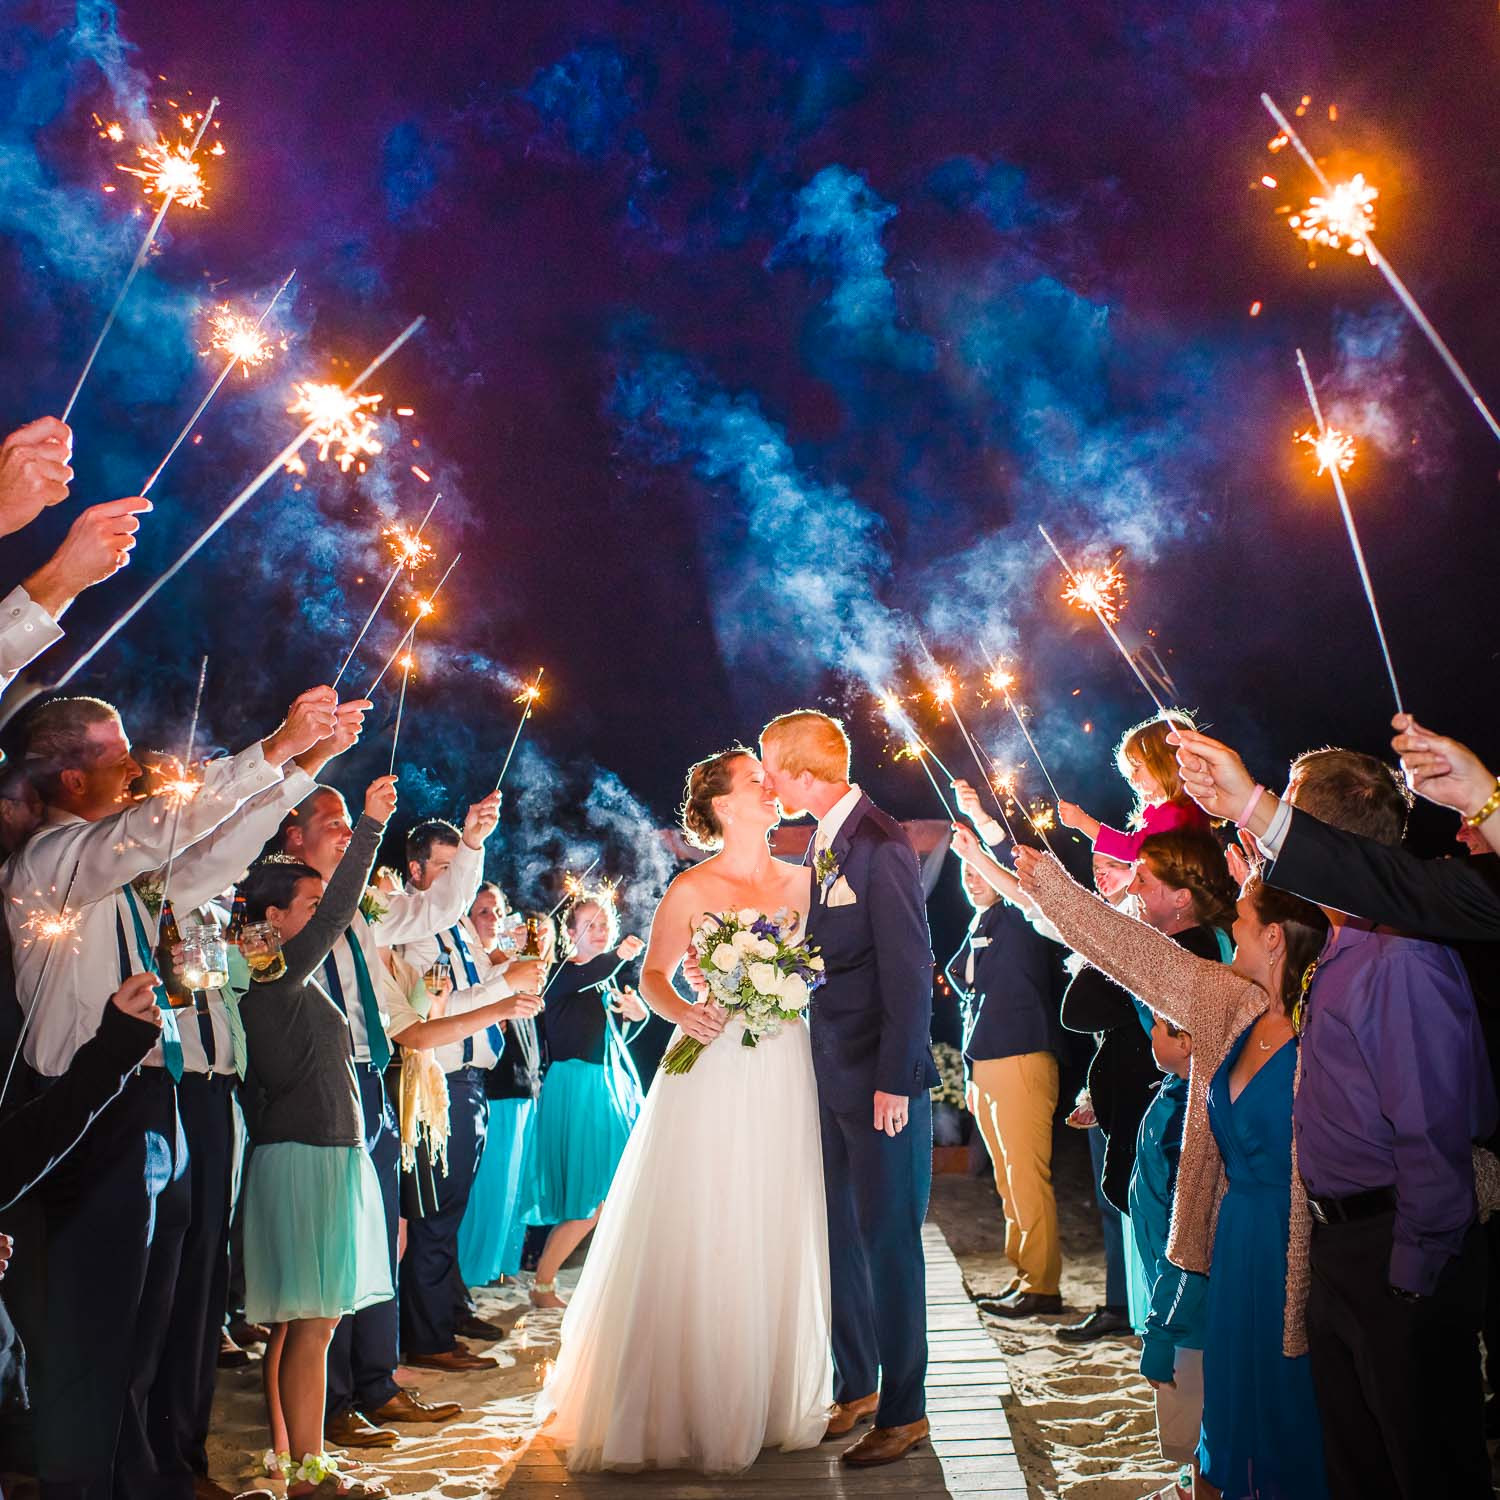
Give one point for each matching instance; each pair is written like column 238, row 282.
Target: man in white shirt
column 362, row 1357
column 434, row 1307
column 116, row 1216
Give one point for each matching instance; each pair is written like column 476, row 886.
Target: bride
column 699, row 1332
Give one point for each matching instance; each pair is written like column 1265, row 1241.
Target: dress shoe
column 249, row 1333
column 350, row 1429
column 884, row 1445
column 231, row 1356
column 454, row 1359
column 1021, row 1305
column 475, row 1327
column 408, row 1406
column 847, row 1415
column 1102, row 1323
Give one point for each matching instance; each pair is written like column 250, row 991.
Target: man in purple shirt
column 1395, row 1089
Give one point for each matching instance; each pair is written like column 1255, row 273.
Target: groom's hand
column 890, row 1112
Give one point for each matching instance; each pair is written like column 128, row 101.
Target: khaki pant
column 1014, row 1100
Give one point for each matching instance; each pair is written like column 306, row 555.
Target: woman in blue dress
column 590, row 1093
column 1241, row 1211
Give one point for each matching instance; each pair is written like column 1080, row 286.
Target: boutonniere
column 371, row 907
column 826, row 868
column 149, row 889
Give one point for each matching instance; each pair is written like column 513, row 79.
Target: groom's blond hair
column 807, row 740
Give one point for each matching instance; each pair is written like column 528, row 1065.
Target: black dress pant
column 182, row 1398
column 1397, row 1380
column 116, row 1214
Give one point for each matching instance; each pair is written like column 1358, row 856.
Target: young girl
column 314, row 1226
column 1149, row 764
column 1241, row 1211
column 590, row 1095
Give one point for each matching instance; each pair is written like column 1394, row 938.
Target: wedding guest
column 314, row 1225
column 493, row 1231
column 20, row 808
column 590, row 1095
column 362, row 1358
column 1241, row 1213
column 434, row 1301
column 1145, row 758
column 115, row 1219
column 1009, row 987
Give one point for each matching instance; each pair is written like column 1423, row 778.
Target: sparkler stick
column 1001, row 679
column 168, row 197
column 530, row 694
column 1336, row 453
column 405, row 557
column 238, row 353
column 573, row 884
column 424, row 608
column 16, row 701
column 917, row 747
column 407, row 662
column 1088, row 595
column 61, row 926
column 182, row 800
column 1387, row 270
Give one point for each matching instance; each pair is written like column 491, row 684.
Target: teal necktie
column 171, row 1046
column 238, row 983
column 380, row 1047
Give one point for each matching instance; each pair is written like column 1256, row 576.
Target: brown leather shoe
column 350, row 1430
column 847, row 1415
column 884, row 1445
column 456, row 1358
column 249, row 1333
column 408, row 1406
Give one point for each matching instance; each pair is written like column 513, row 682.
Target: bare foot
column 546, row 1299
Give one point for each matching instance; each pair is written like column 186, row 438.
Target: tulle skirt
column 699, row 1332
column 583, row 1120
column 490, row 1237
column 315, row 1240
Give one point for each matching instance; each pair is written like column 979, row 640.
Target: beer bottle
column 533, row 948
column 168, row 940
column 236, row 919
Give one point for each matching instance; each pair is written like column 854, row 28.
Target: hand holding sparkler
column 348, row 723
column 380, row 799
column 1212, row 774
column 1443, row 770
column 34, row 471
column 310, row 718
column 97, row 546
column 481, row 819
column 137, row 998
column 991, row 831
column 1071, row 815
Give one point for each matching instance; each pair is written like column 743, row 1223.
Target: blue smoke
column 585, row 99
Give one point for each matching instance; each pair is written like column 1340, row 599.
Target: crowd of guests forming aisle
column 387, row 1080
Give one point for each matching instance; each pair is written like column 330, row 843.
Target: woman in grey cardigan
column 314, row 1228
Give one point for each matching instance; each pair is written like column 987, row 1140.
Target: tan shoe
column 847, row 1415
column 408, row 1406
column 884, row 1445
column 350, row 1430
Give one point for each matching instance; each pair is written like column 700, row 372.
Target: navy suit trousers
column 877, row 1188
column 430, row 1302
column 363, row 1355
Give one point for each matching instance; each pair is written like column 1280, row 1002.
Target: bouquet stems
column 682, row 1057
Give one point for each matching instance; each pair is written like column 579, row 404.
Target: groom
column 870, row 1025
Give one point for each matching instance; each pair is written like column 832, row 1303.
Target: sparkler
column 246, row 346
column 175, row 178
column 407, row 663
column 15, row 701
column 1335, row 454
column 1101, row 590
column 424, row 608
column 180, row 800
column 528, row 695
column 573, row 886
column 341, row 421
column 53, row 928
column 916, row 747
column 1345, row 211
column 945, row 692
column 1003, row 681
column 411, row 552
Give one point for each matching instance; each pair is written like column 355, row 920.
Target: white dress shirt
column 26, row 630
column 409, row 916
column 832, row 822
column 452, row 943
column 98, row 860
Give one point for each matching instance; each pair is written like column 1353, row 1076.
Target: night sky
column 760, row 338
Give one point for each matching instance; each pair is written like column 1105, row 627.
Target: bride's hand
column 703, row 1022
column 692, row 972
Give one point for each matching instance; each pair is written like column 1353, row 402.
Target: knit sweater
column 1217, row 1006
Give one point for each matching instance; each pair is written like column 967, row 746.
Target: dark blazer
column 1012, row 1007
column 871, row 1021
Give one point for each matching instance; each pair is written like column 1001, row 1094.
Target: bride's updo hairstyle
column 710, row 778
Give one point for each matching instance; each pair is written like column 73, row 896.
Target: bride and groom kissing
column 756, row 1278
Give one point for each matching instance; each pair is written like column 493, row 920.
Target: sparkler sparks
column 1101, row 590
column 50, row 926
column 240, row 338
column 407, row 547
column 1333, row 449
column 170, row 171
column 1343, row 217
column 341, row 420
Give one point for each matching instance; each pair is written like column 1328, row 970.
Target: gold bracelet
column 1491, row 806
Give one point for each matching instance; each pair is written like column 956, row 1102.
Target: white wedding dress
column 699, row 1331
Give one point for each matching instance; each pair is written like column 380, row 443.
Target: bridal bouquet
column 755, row 971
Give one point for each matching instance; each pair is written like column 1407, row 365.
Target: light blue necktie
column 171, row 1043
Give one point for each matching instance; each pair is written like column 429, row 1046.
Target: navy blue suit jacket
column 871, row 1022
column 1012, row 1008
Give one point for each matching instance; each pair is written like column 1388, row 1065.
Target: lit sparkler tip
column 168, row 170
column 1001, row 680
column 343, row 422
column 1344, row 217
column 944, row 690
column 1101, row 590
column 1333, row 449
column 49, row 926
column 1042, row 817
column 407, row 548
column 241, row 338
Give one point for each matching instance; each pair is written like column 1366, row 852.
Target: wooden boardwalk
column 970, row 1454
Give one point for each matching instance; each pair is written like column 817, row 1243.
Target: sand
column 1082, row 1418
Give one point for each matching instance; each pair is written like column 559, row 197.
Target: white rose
column 816, row 964
column 766, row 978
column 764, row 948
column 745, row 941
column 724, row 957
column 749, row 917
column 794, row 993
